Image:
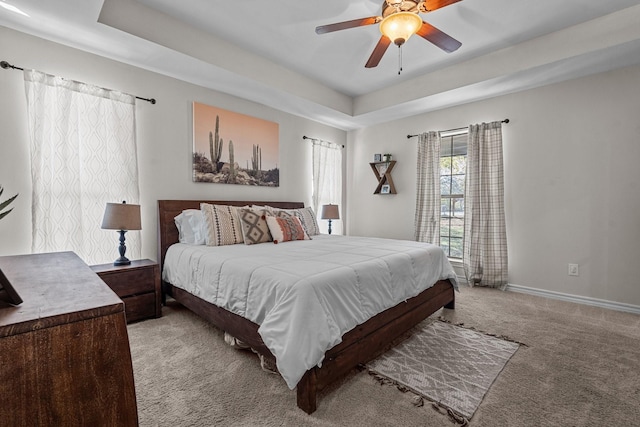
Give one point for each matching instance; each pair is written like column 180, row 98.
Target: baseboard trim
column 619, row 306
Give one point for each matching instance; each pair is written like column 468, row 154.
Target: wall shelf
column 382, row 171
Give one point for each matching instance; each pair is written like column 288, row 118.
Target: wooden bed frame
column 358, row 346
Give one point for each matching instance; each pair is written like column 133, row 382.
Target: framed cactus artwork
column 232, row 148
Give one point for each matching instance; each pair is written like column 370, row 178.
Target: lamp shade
column 121, row 216
column 400, row 26
column 330, row 212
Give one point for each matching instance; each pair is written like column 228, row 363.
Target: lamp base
column 122, row 261
column 329, row 226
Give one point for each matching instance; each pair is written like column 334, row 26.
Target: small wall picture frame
column 377, row 157
column 385, row 189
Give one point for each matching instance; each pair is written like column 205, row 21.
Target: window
column 327, row 180
column 453, row 166
column 83, row 155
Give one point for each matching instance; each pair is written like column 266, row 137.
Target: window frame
column 451, row 213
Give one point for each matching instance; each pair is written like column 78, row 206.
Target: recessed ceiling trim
column 141, row 21
column 602, row 33
column 136, row 32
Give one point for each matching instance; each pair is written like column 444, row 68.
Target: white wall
column 163, row 136
column 572, row 181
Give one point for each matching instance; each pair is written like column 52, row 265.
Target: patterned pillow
column 268, row 209
column 308, row 219
column 283, row 213
column 223, row 225
column 254, row 226
column 286, row 228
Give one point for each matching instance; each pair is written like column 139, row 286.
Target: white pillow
column 192, row 228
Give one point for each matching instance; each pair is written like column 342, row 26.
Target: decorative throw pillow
column 191, row 226
column 286, row 228
column 223, row 225
column 269, row 210
column 308, row 219
column 282, row 213
column 254, row 226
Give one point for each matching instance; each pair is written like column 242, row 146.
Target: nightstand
column 137, row 285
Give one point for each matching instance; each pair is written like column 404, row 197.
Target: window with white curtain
column 83, row 155
column 327, row 182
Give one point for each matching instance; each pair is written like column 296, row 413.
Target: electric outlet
column 573, row 270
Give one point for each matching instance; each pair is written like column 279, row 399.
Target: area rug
column 447, row 364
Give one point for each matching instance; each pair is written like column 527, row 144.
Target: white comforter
column 306, row 294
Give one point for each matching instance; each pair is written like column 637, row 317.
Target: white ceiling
column 268, row 52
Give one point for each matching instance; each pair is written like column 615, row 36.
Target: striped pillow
column 308, row 219
column 223, row 225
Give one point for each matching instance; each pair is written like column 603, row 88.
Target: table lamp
column 330, row 212
column 121, row 217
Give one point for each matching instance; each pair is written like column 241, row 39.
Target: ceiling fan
column 399, row 21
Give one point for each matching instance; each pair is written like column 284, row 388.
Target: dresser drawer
column 131, row 282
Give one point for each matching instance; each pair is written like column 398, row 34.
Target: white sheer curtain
column 485, row 235
column 327, row 182
column 83, row 155
column 427, row 219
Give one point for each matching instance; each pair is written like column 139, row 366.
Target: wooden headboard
column 169, row 209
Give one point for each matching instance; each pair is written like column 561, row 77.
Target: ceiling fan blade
column 438, row 38
column 378, row 52
column 347, row 24
column 431, row 5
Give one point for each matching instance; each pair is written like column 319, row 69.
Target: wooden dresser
column 64, row 352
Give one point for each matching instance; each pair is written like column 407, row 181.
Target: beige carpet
column 580, row 368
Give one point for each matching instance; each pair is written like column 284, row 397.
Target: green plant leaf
column 6, row 203
column 3, row 214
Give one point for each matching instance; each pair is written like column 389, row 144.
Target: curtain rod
column 321, row 140
column 6, row 65
column 450, row 130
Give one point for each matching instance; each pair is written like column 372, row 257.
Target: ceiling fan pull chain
column 399, row 59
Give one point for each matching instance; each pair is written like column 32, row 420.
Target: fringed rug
column 447, row 364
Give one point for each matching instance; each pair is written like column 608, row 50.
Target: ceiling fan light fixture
column 399, row 26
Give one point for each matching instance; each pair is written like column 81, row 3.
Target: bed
column 356, row 346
